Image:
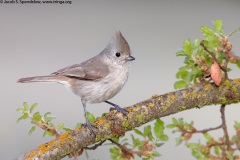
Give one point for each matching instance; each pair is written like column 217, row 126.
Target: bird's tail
column 38, row 79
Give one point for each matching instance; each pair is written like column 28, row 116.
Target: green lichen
column 139, row 118
column 164, row 109
column 223, row 100
column 234, row 89
column 126, row 123
column 182, row 108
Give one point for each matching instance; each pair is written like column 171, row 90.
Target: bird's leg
column 88, row 124
column 122, row 110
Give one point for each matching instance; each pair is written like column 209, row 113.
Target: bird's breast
column 104, row 88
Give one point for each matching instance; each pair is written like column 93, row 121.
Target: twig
column 224, row 127
column 95, row 146
column 204, row 130
column 76, row 154
column 126, row 152
column 215, row 59
column 226, row 136
column 213, row 56
column 45, row 127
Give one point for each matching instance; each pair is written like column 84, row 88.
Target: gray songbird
column 97, row 79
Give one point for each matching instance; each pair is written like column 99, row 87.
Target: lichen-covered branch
column 116, row 124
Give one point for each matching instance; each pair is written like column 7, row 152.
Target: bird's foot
column 119, row 109
column 116, row 107
column 90, row 127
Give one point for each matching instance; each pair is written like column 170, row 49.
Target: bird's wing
column 92, row 69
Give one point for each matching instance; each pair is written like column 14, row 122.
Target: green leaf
column 158, row 144
column 51, row 125
column 48, row 133
column 126, row 144
column 66, row 129
column 187, row 47
column 155, row 154
column 33, row 107
column 234, row 32
column 140, row 147
column 60, row 126
column 181, row 53
column 197, row 43
column 49, row 118
column 179, row 140
column 115, row 139
column 78, row 125
column 216, row 150
column 163, row 137
column 193, row 145
column 238, row 64
column 171, row 126
column 90, row 117
column 150, row 136
column 229, row 69
column 114, row 150
column 46, row 114
column 175, row 121
column 158, row 128
column 208, row 60
column 37, row 118
column 147, row 130
column 24, row 116
column 25, row 106
column 133, row 139
column 236, row 125
column 178, row 75
column 19, row 119
column 136, row 141
column 230, row 157
column 138, row 132
column 184, row 75
column 180, row 84
column 21, row 110
column 218, row 26
column 207, row 32
column 86, row 153
column 32, row 129
column 36, row 113
column 207, row 136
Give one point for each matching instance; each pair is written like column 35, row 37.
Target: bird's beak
column 130, row 58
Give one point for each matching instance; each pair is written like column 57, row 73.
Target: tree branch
column 116, row 124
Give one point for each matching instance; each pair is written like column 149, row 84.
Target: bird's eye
column 118, row 54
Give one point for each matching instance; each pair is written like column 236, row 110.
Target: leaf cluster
column 144, row 147
column 42, row 121
column 198, row 60
column 213, row 147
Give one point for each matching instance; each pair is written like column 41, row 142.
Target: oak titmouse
column 97, row 79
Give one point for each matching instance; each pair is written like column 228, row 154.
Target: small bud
column 229, row 46
column 220, row 140
column 225, row 51
column 219, row 49
column 188, row 135
column 224, row 42
column 204, row 68
column 233, row 59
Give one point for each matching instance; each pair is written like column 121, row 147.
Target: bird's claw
column 119, row 109
column 89, row 125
